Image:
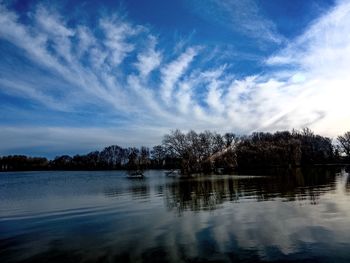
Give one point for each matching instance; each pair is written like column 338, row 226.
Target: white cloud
column 320, row 58
column 239, row 16
column 214, row 97
column 148, row 60
column 184, row 97
column 173, row 72
column 86, row 40
column 117, row 33
column 188, row 92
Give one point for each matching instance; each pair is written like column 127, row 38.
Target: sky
column 76, row 76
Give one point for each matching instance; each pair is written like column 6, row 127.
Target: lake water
column 106, row 217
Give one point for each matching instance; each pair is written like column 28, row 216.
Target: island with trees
column 204, row 152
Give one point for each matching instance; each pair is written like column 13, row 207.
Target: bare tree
column 144, row 156
column 158, row 154
column 176, row 143
column 229, row 139
column 113, row 156
column 344, row 141
column 198, row 152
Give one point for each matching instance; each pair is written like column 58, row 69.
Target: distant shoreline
column 238, row 170
column 206, row 152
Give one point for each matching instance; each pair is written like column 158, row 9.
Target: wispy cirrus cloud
column 243, row 17
column 122, row 69
column 173, row 72
column 318, row 62
column 149, row 59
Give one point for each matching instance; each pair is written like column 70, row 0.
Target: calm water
column 106, row 217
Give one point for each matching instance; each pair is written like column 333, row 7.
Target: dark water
column 106, row 217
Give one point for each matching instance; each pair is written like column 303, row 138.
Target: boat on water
column 136, row 174
column 172, row 173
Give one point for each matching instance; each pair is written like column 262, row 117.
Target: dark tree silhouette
column 158, row 154
column 203, row 152
column 198, row 152
column 344, row 143
column 284, row 149
column 22, row 163
column 113, row 156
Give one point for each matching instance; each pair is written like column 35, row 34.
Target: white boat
column 172, row 173
column 136, row 174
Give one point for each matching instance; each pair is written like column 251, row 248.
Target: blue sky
column 76, row 76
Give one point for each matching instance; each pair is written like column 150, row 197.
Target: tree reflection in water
column 138, row 188
column 210, row 192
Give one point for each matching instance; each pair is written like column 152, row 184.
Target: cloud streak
column 121, row 68
column 239, row 16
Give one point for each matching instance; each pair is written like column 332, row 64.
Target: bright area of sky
column 78, row 76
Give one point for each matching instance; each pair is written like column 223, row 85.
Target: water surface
column 106, row 217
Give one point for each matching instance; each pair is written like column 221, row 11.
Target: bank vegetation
column 204, row 152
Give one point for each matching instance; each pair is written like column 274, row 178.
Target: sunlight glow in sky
column 78, row 76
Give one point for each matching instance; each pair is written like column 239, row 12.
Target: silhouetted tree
column 194, row 150
column 144, row 157
column 93, row 160
column 314, row 148
column 22, row 163
column 344, row 143
column 266, row 149
column 202, row 152
column 133, row 158
column 113, row 156
column 158, row 154
column 284, row 149
column 63, row 162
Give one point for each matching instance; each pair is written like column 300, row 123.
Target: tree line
column 202, row 152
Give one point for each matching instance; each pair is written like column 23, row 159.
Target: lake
column 106, row 217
